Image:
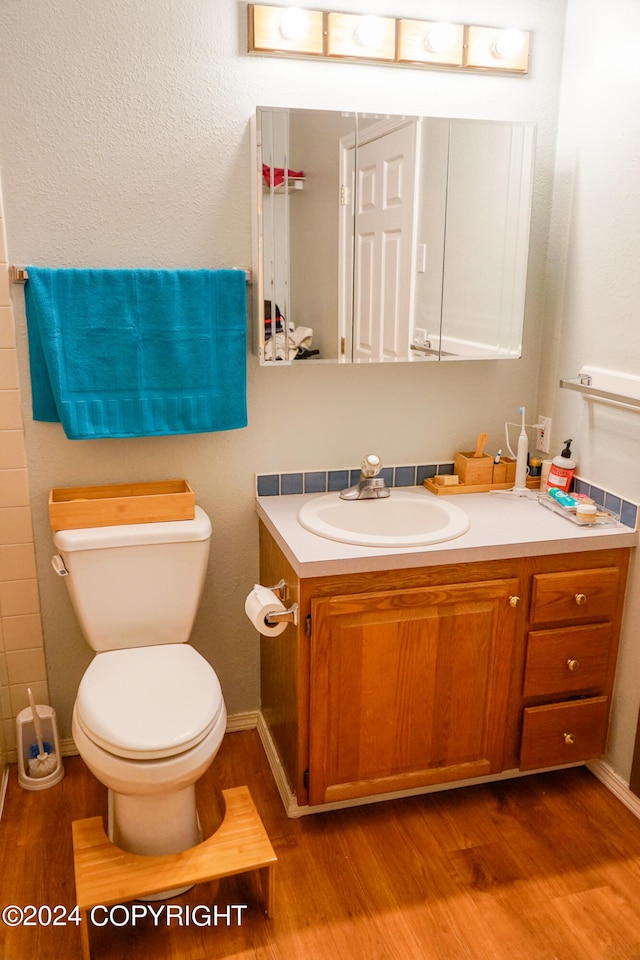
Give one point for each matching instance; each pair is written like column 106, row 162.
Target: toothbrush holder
column 505, row 471
column 473, row 470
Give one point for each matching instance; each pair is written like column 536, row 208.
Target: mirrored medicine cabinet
column 384, row 238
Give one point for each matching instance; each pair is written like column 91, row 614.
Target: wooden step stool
column 106, row 875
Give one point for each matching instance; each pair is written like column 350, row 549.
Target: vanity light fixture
column 293, row 31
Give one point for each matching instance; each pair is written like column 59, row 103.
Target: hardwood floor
column 542, row 868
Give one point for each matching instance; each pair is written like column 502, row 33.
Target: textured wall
column 594, row 283
column 124, row 141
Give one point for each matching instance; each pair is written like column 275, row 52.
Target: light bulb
column 440, row 38
column 508, row 44
column 369, row 32
column 293, row 24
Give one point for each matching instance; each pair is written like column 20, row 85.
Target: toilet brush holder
column 28, row 750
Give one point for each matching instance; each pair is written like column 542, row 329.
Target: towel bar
column 17, row 274
column 619, row 389
column 20, row 275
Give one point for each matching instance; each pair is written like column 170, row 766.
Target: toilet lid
column 148, row 702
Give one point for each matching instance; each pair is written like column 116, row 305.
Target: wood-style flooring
column 546, row 867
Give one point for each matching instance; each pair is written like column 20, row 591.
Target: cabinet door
column 409, row 687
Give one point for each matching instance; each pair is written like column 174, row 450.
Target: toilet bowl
column 148, row 723
column 149, row 716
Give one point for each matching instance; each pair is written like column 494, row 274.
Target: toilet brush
column 42, row 759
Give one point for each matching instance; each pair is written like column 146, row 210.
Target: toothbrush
column 521, row 457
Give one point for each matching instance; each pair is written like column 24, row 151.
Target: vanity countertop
column 502, row 527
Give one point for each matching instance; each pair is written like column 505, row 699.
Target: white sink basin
column 404, row 519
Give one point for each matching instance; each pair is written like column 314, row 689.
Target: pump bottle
column 562, row 470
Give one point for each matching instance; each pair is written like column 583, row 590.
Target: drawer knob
column 573, row 665
column 514, row 601
column 580, row 599
column 569, row 739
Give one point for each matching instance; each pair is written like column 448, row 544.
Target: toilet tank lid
column 135, row 534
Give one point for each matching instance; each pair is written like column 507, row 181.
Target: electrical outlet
column 543, row 435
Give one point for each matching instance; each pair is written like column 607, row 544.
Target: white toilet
column 149, row 716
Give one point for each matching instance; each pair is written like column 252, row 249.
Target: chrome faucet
column 370, row 486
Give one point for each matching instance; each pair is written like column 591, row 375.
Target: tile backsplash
column 326, row 481
column 22, row 662
column 627, row 511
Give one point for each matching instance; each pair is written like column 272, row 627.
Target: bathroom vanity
column 409, row 669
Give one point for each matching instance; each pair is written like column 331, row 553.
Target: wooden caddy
column 106, row 875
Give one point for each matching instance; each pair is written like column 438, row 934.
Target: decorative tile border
column 326, row 481
column 627, row 511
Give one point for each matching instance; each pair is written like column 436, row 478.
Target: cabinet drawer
column 574, row 595
column 563, row 733
column 567, row 660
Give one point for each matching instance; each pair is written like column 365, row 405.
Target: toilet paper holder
column 285, row 616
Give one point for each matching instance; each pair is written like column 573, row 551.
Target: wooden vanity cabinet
column 395, row 680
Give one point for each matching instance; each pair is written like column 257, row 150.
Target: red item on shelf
column 278, row 175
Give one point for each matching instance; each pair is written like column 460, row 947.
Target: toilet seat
column 147, row 703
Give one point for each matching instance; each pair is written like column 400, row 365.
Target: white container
column 586, row 512
column 26, row 736
column 545, row 467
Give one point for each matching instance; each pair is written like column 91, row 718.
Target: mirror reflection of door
column 385, row 163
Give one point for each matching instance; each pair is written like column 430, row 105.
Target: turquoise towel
column 130, row 353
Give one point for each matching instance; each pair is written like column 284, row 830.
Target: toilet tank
column 137, row 584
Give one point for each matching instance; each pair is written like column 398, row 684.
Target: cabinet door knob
column 514, row 601
column 573, row 665
column 580, row 599
column 569, row 739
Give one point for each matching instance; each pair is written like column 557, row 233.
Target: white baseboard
column 243, row 721
column 282, row 783
column 3, row 787
column 614, row 782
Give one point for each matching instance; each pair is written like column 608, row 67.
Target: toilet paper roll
column 260, row 602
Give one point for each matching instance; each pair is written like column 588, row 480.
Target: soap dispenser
column 562, row 469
